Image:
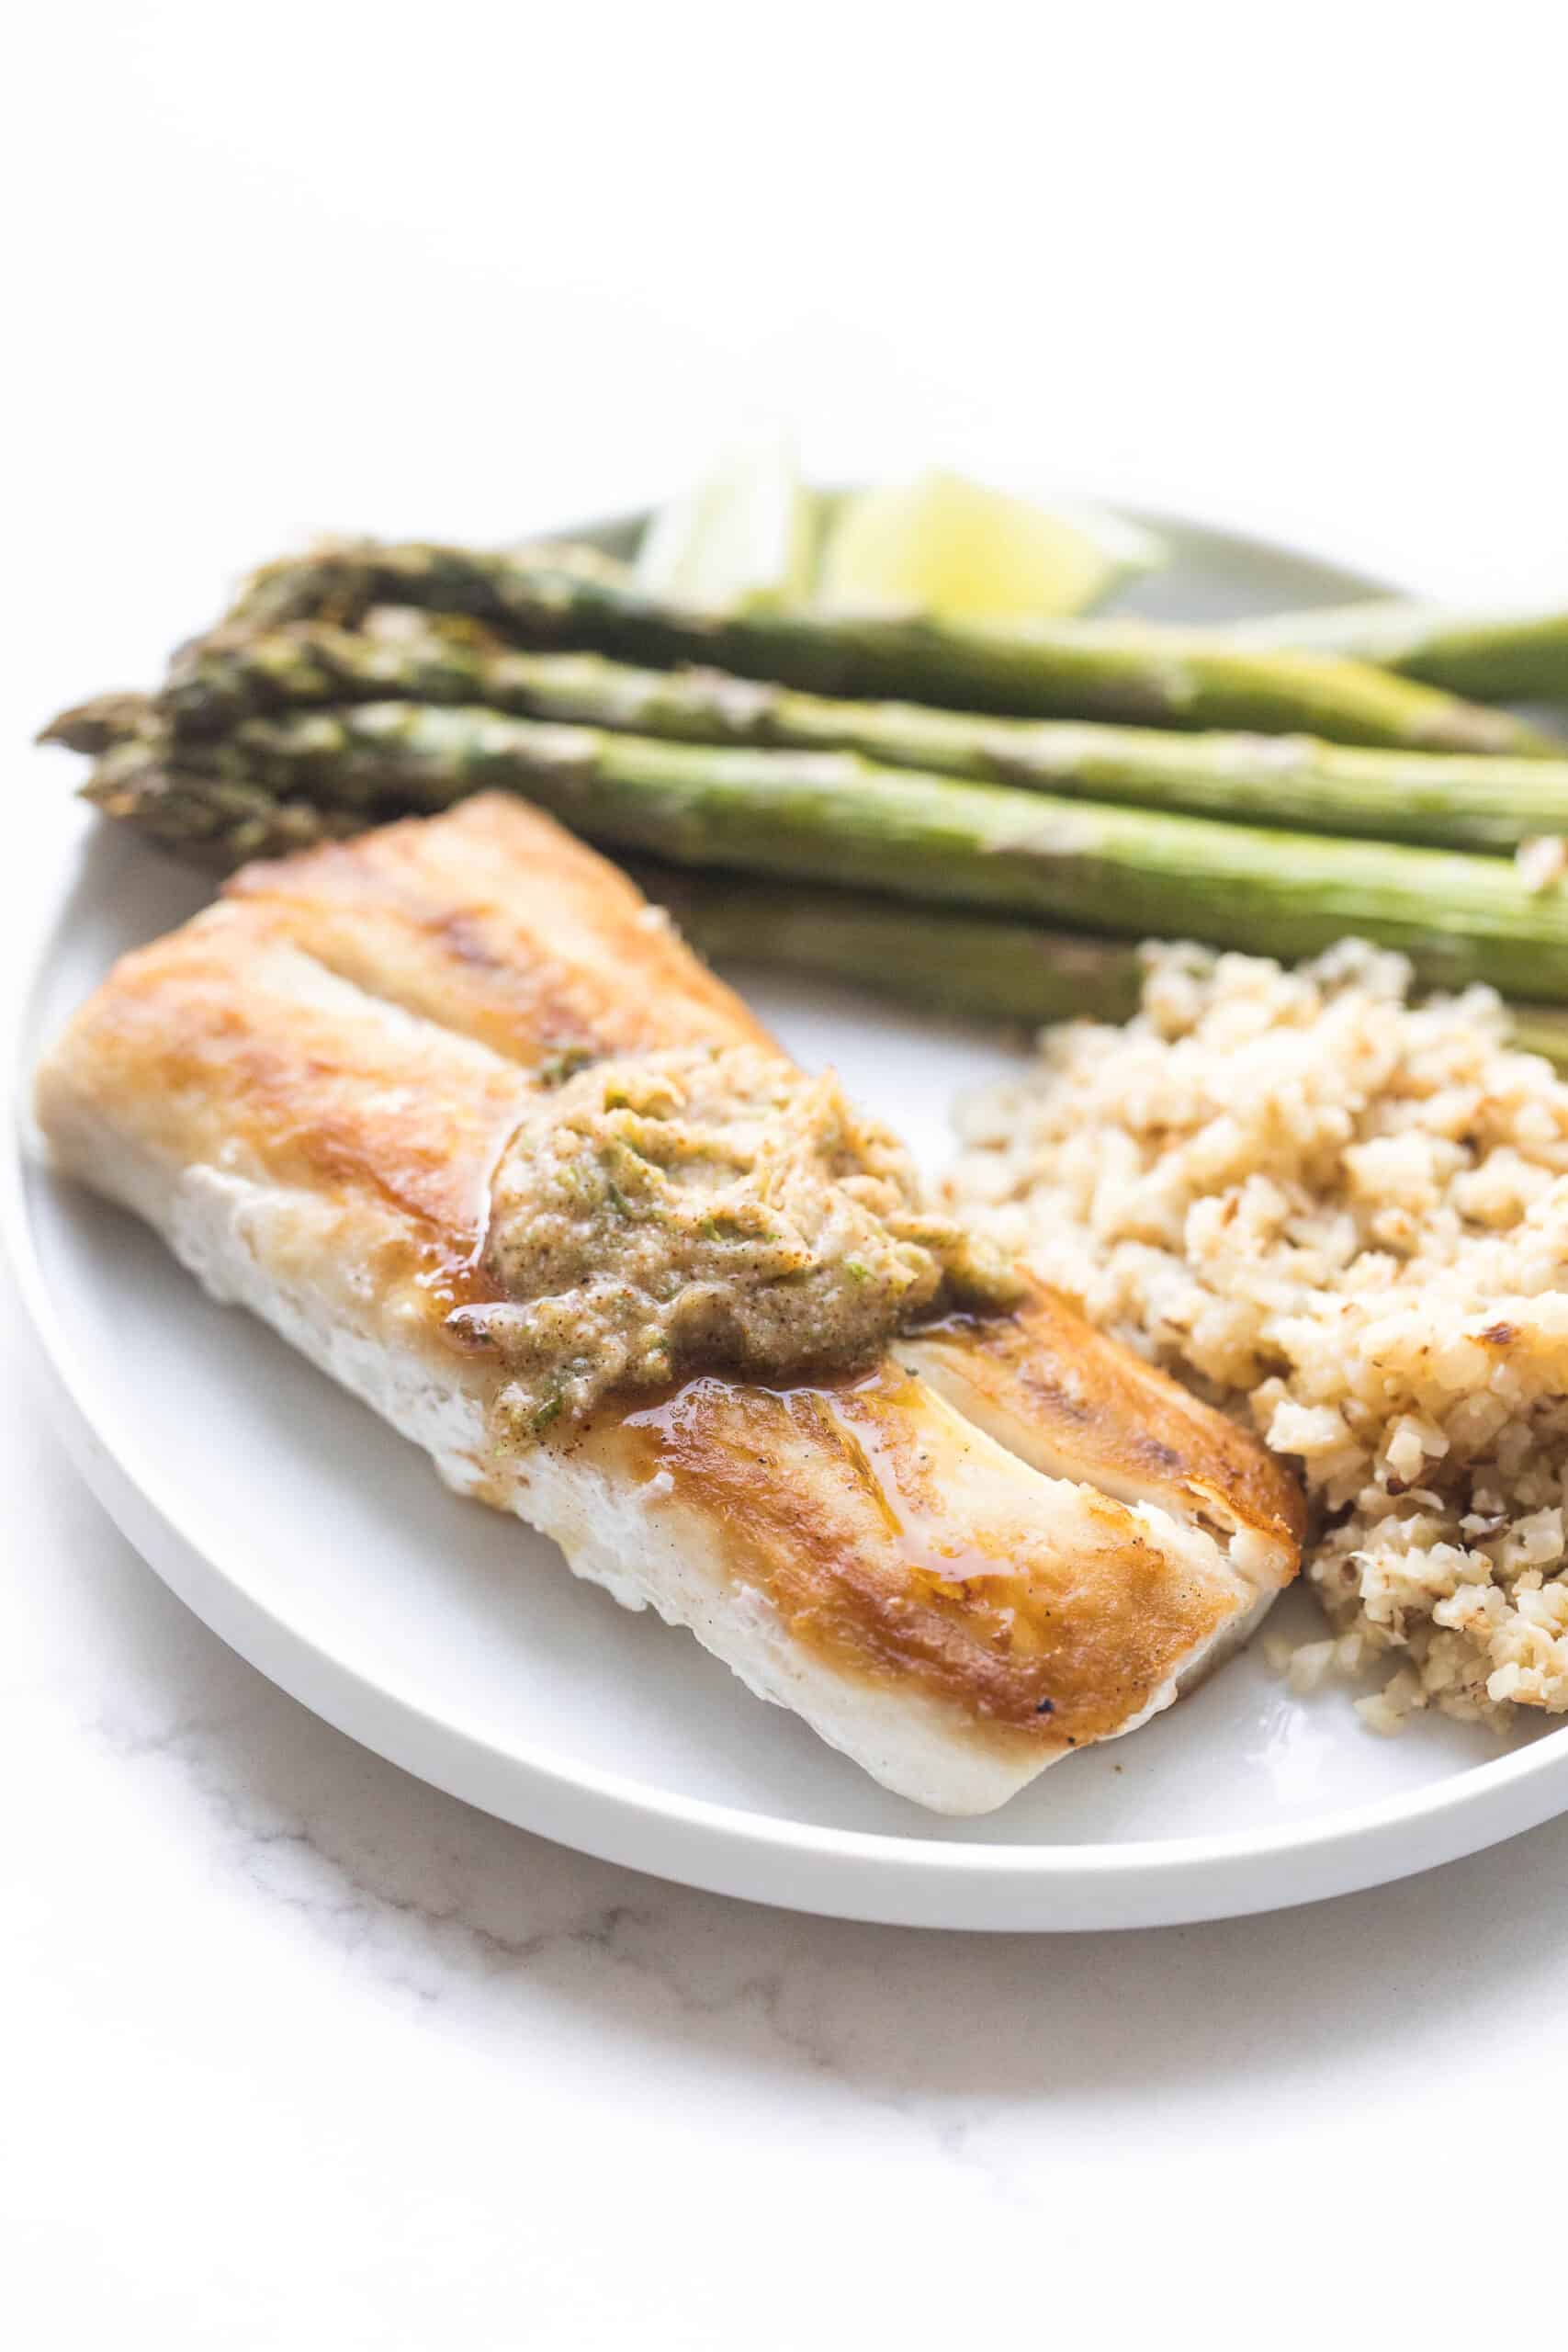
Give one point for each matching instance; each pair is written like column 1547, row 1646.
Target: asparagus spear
column 979, row 967
column 1447, row 799
column 833, row 816
column 982, row 968
column 1085, row 669
column 1494, row 657
column 1540, row 1029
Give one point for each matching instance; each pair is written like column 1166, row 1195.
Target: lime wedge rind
column 746, row 537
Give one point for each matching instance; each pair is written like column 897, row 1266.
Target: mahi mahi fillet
column 1006, row 1540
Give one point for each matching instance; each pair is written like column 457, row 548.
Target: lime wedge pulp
column 958, row 550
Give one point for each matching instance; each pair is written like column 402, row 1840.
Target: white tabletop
column 303, row 2054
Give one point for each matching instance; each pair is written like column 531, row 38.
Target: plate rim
column 869, row 1875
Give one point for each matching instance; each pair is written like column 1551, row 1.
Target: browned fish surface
column 498, row 924
column 1054, row 1389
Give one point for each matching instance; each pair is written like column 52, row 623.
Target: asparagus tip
column 97, row 724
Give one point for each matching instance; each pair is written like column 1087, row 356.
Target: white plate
column 455, row 1641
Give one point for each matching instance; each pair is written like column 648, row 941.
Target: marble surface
column 300, row 2054
column 303, row 2052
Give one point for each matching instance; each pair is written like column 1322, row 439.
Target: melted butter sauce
column 450, row 1278
column 871, row 1420
column 460, row 1274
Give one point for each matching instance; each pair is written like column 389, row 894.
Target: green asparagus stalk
column 976, row 967
column 1126, row 671
column 980, row 968
column 967, row 967
column 1540, row 1029
column 833, row 816
column 1492, row 657
column 1447, row 799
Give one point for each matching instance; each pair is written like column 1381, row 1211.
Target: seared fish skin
column 1004, row 1540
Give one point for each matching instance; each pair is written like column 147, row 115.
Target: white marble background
column 298, row 2052
column 302, row 2052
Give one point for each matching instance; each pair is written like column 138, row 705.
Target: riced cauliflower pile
column 1345, row 1219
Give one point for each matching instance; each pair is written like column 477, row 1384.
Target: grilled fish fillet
column 1006, row 1540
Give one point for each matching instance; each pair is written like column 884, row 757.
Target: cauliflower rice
column 1345, row 1219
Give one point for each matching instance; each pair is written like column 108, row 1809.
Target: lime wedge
column 958, row 550
column 746, row 535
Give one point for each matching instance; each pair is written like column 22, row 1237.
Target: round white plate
column 455, row 1641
